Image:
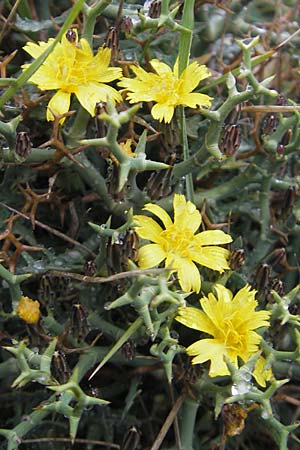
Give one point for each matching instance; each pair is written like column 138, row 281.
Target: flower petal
column 213, row 237
column 196, row 319
column 213, row 257
column 160, row 67
column 150, row 255
column 147, row 228
column 186, row 216
column 223, row 293
column 160, row 213
column 195, row 99
column 188, row 274
column 210, row 349
column 92, row 93
column 192, row 75
column 162, row 111
column 35, row 50
column 59, row 104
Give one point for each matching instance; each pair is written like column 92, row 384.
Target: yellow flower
column 231, row 320
column 73, row 69
column 260, row 373
column 178, row 244
column 166, row 88
column 28, row 310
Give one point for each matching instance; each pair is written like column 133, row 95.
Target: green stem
column 265, row 207
column 187, row 418
column 185, row 42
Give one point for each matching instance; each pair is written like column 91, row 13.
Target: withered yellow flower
column 71, row 68
column 166, row 88
column 28, row 310
column 178, row 244
column 231, row 321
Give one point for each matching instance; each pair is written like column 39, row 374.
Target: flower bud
column 128, row 350
column 154, row 9
column 112, row 42
column 231, row 140
column 60, row 368
column 89, row 268
column 284, row 141
column 270, row 124
column 237, row 259
column 79, row 326
column 23, row 144
column 127, row 25
column 71, row 35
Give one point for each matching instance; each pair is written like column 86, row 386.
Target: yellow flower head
column 178, row 244
column 28, row 310
column 71, row 68
column 166, row 88
column 260, row 373
column 231, row 320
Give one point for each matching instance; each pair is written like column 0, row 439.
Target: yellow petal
column 90, row 94
column 213, row 257
column 86, row 48
column 186, row 216
column 195, row 99
column 209, row 349
column 212, row 237
column 188, row 275
column 262, row 372
column 196, row 319
column 223, row 292
column 160, row 213
column 160, row 67
column 35, row 50
column 245, row 295
column 147, row 228
column 162, row 111
column 212, row 309
column 59, row 104
column 192, row 76
column 150, row 255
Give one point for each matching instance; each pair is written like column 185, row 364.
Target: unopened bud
column 231, row 140
column 71, row 35
column 23, row 144
column 270, row 124
column 79, row 326
column 127, row 25
column 128, row 350
column 276, row 257
column 237, row 258
column 154, row 9
column 112, row 41
column 90, row 268
column 277, row 286
column 284, row 141
column 262, row 278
